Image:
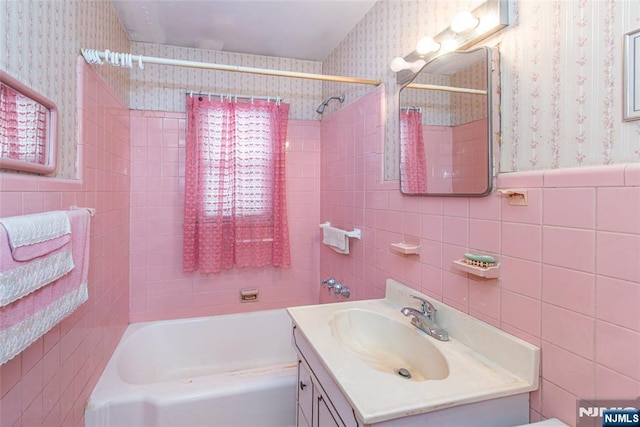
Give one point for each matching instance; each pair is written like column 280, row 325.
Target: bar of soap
column 480, row 258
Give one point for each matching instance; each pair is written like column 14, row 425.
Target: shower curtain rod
column 128, row 60
column 193, row 93
column 446, row 88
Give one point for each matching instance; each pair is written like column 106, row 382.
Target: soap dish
column 405, row 248
column 485, row 272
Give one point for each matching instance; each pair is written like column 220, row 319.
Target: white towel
column 336, row 239
column 31, row 276
column 26, row 230
column 29, row 267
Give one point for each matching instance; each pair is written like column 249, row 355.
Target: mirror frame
column 51, row 136
column 493, row 119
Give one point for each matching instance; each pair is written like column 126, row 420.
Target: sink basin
column 387, row 345
column 362, row 345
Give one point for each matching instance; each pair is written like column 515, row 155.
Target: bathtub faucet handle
column 344, row 291
column 330, row 283
column 340, row 289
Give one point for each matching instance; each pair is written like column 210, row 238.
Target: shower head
column 321, row 107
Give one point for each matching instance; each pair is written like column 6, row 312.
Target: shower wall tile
column 49, row 383
column 159, row 287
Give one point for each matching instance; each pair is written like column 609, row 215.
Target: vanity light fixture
column 398, row 64
column 466, row 30
column 416, row 66
column 427, row 45
column 463, row 22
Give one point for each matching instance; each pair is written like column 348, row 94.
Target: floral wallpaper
column 561, row 76
column 40, row 41
column 163, row 88
column 561, row 67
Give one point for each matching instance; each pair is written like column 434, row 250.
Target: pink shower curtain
column 235, row 211
column 413, row 164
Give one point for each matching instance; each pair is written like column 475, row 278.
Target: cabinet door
column 302, row 421
column 305, row 392
column 325, row 414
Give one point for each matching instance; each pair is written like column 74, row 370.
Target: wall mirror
column 27, row 128
column 448, row 112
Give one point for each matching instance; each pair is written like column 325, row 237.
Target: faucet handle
column 427, row 308
column 332, row 283
column 329, row 282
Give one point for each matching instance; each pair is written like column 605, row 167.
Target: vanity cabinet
column 314, row 407
column 351, row 354
column 304, row 395
column 321, row 402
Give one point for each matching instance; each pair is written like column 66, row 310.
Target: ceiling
column 301, row 29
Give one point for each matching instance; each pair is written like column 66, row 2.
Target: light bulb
column 399, row 64
column 463, row 22
column 417, row 65
column 427, row 45
column 448, row 45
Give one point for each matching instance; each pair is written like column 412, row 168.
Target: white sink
column 388, row 345
column 362, row 344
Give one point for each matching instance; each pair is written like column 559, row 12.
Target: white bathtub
column 231, row 370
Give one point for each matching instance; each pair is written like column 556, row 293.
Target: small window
column 27, row 128
column 251, row 193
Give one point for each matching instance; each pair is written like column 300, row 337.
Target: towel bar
column 92, row 211
column 356, row 233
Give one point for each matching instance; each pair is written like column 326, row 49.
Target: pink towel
column 25, row 320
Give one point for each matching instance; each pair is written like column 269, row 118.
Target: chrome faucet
column 338, row 288
column 425, row 319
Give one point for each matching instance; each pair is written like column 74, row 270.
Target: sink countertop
column 484, row 362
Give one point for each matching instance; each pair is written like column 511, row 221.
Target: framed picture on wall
column 632, row 75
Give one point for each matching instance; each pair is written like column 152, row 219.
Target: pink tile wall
column 439, row 151
column 48, row 384
column 468, row 147
column 570, row 260
column 159, row 288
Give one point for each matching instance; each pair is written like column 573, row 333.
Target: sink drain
column 404, row 373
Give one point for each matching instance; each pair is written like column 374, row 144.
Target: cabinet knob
column 302, row 385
